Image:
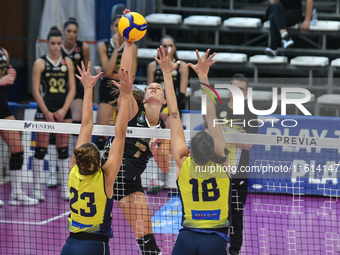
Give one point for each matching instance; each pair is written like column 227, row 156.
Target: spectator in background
column 180, row 77
column 12, row 138
column 110, row 54
column 77, row 51
column 54, row 90
column 283, row 14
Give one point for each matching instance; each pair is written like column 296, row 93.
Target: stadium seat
column 205, row 22
column 309, row 61
column 146, row 53
column 242, row 22
column 188, row 55
column 164, row 18
column 265, row 60
column 333, row 66
column 231, row 57
column 326, row 25
column 297, row 95
column 330, row 100
column 202, row 20
column 266, row 25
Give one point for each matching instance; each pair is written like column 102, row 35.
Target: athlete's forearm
column 162, row 157
column 87, row 111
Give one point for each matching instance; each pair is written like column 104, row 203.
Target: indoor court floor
column 273, row 224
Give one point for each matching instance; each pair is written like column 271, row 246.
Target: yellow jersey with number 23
column 90, row 208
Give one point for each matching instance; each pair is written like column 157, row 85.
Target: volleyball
column 132, row 26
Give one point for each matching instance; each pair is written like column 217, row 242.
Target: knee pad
column 76, row 122
column 16, row 161
column 100, row 142
column 40, row 152
column 148, row 245
column 62, row 153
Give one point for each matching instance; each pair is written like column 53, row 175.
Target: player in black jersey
column 77, row 51
column 128, row 191
column 12, row 138
column 110, row 53
column 180, row 77
column 53, row 75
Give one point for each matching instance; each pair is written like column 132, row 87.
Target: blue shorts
column 190, row 242
column 85, row 247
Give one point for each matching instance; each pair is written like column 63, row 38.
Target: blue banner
column 295, row 168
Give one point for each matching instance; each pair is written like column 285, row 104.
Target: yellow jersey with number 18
column 90, row 208
column 206, row 201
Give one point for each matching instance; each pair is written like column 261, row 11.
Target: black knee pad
column 148, row 245
column 40, row 152
column 62, row 153
column 100, row 142
column 16, row 161
column 76, row 122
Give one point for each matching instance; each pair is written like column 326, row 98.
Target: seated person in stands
column 283, row 14
column 180, row 75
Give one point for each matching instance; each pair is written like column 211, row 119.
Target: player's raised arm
column 178, row 144
column 128, row 64
column 202, row 69
column 115, row 157
column 87, row 111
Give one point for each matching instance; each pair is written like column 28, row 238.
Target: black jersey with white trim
column 109, row 51
column 136, row 151
column 76, row 54
column 54, row 83
column 176, row 77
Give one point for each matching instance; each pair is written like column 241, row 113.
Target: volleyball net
column 292, row 205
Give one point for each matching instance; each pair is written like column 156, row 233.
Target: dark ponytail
column 202, row 147
column 54, row 32
column 117, row 16
column 70, row 21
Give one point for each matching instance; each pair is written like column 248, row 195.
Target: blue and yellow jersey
column 205, row 199
column 90, row 208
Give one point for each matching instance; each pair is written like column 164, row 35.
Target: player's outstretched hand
column 126, row 81
column 126, row 11
column 164, row 61
column 203, row 64
column 85, row 75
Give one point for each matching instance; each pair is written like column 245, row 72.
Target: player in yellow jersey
column 90, row 185
column 205, row 196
